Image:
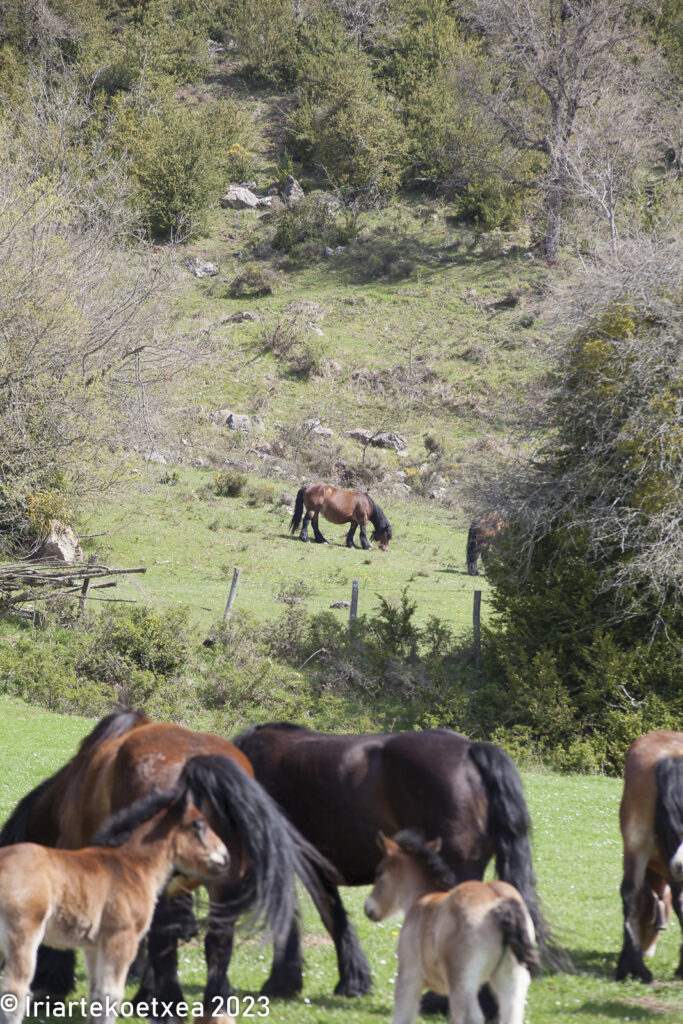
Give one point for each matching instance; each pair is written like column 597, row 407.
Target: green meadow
column 577, row 856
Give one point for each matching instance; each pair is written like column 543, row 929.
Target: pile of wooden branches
column 30, row 582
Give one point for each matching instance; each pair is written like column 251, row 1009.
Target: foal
column 454, row 941
column 100, row 898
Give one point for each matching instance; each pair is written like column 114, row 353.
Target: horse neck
column 151, row 849
column 415, row 883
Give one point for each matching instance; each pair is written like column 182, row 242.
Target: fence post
column 476, row 626
column 353, row 611
column 84, row 589
column 232, row 594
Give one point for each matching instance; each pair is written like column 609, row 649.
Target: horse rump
column 513, row 920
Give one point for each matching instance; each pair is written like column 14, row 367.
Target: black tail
column 276, row 851
column 508, row 826
column 298, row 511
column 472, row 550
column 513, row 921
column 669, row 806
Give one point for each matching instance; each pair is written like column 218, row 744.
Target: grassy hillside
column 577, row 856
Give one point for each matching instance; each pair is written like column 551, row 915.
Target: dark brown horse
column 100, row 899
column 339, row 791
column 479, row 539
column 127, row 756
column 338, row 506
column 651, row 817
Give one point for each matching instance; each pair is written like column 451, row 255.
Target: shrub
column 255, row 279
column 489, row 204
column 229, row 483
column 313, row 219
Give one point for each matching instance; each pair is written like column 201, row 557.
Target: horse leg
column 286, row 978
column 409, row 984
column 677, row 894
column 510, row 984
column 355, row 978
column 631, row 958
column 107, row 967
column 20, row 950
column 161, row 978
column 218, row 943
column 304, row 527
column 364, row 542
column 349, row 535
column 319, row 539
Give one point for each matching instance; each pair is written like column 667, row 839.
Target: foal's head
column 197, row 850
column 409, row 868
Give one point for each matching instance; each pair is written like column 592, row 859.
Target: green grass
column 189, row 540
column 577, row 856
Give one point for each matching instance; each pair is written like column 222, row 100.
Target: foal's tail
column 472, row 552
column 513, row 919
column 276, row 852
column 508, row 824
column 298, row 511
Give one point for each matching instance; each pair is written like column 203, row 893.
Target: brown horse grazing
column 100, row 899
column 337, row 506
column 479, row 539
column 339, row 790
column 126, row 757
column 651, row 817
column 454, row 939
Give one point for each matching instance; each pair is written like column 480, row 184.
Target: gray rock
column 292, row 192
column 201, row 268
column 389, row 439
column 239, row 421
column 360, row 435
column 341, row 604
column 156, row 457
column 61, row 545
column 315, row 427
column 239, row 318
column 220, row 416
column 239, row 198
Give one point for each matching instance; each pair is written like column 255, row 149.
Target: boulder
column 239, row 421
column 292, row 192
column 61, row 545
column 239, row 198
column 201, row 268
column 315, row 427
column 220, row 416
column 389, row 439
column 360, row 435
column 157, row 457
column 239, row 318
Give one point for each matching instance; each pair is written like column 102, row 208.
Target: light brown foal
column 452, row 942
column 101, row 898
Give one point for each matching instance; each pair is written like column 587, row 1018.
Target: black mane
column 413, row 841
column 119, row 826
column 379, row 520
column 245, row 734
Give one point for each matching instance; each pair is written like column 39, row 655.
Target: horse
column 338, row 506
column 340, row 790
column 125, row 757
column 651, row 819
column 101, row 899
column 455, row 938
column 481, row 534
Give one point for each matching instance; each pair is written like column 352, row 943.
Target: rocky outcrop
column 61, row 545
column 239, row 198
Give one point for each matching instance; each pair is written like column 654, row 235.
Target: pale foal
column 452, row 942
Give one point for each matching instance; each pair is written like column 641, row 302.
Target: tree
column 554, row 59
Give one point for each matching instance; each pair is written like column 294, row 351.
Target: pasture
column 577, row 854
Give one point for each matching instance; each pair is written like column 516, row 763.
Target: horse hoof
column 353, row 989
column 282, row 988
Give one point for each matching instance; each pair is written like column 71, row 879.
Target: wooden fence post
column 353, row 611
column 84, row 588
column 232, row 594
column 476, row 626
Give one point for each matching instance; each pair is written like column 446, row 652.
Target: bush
column 314, row 219
column 489, row 204
column 255, row 279
column 229, row 483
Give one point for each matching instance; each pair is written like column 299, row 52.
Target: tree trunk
column 554, row 207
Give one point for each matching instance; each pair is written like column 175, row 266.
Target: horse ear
column 381, row 841
column 435, row 845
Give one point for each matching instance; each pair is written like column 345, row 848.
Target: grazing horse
column 338, row 506
column 101, row 899
column 125, row 757
column 455, row 938
column 651, row 818
column 339, row 790
column 479, row 539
